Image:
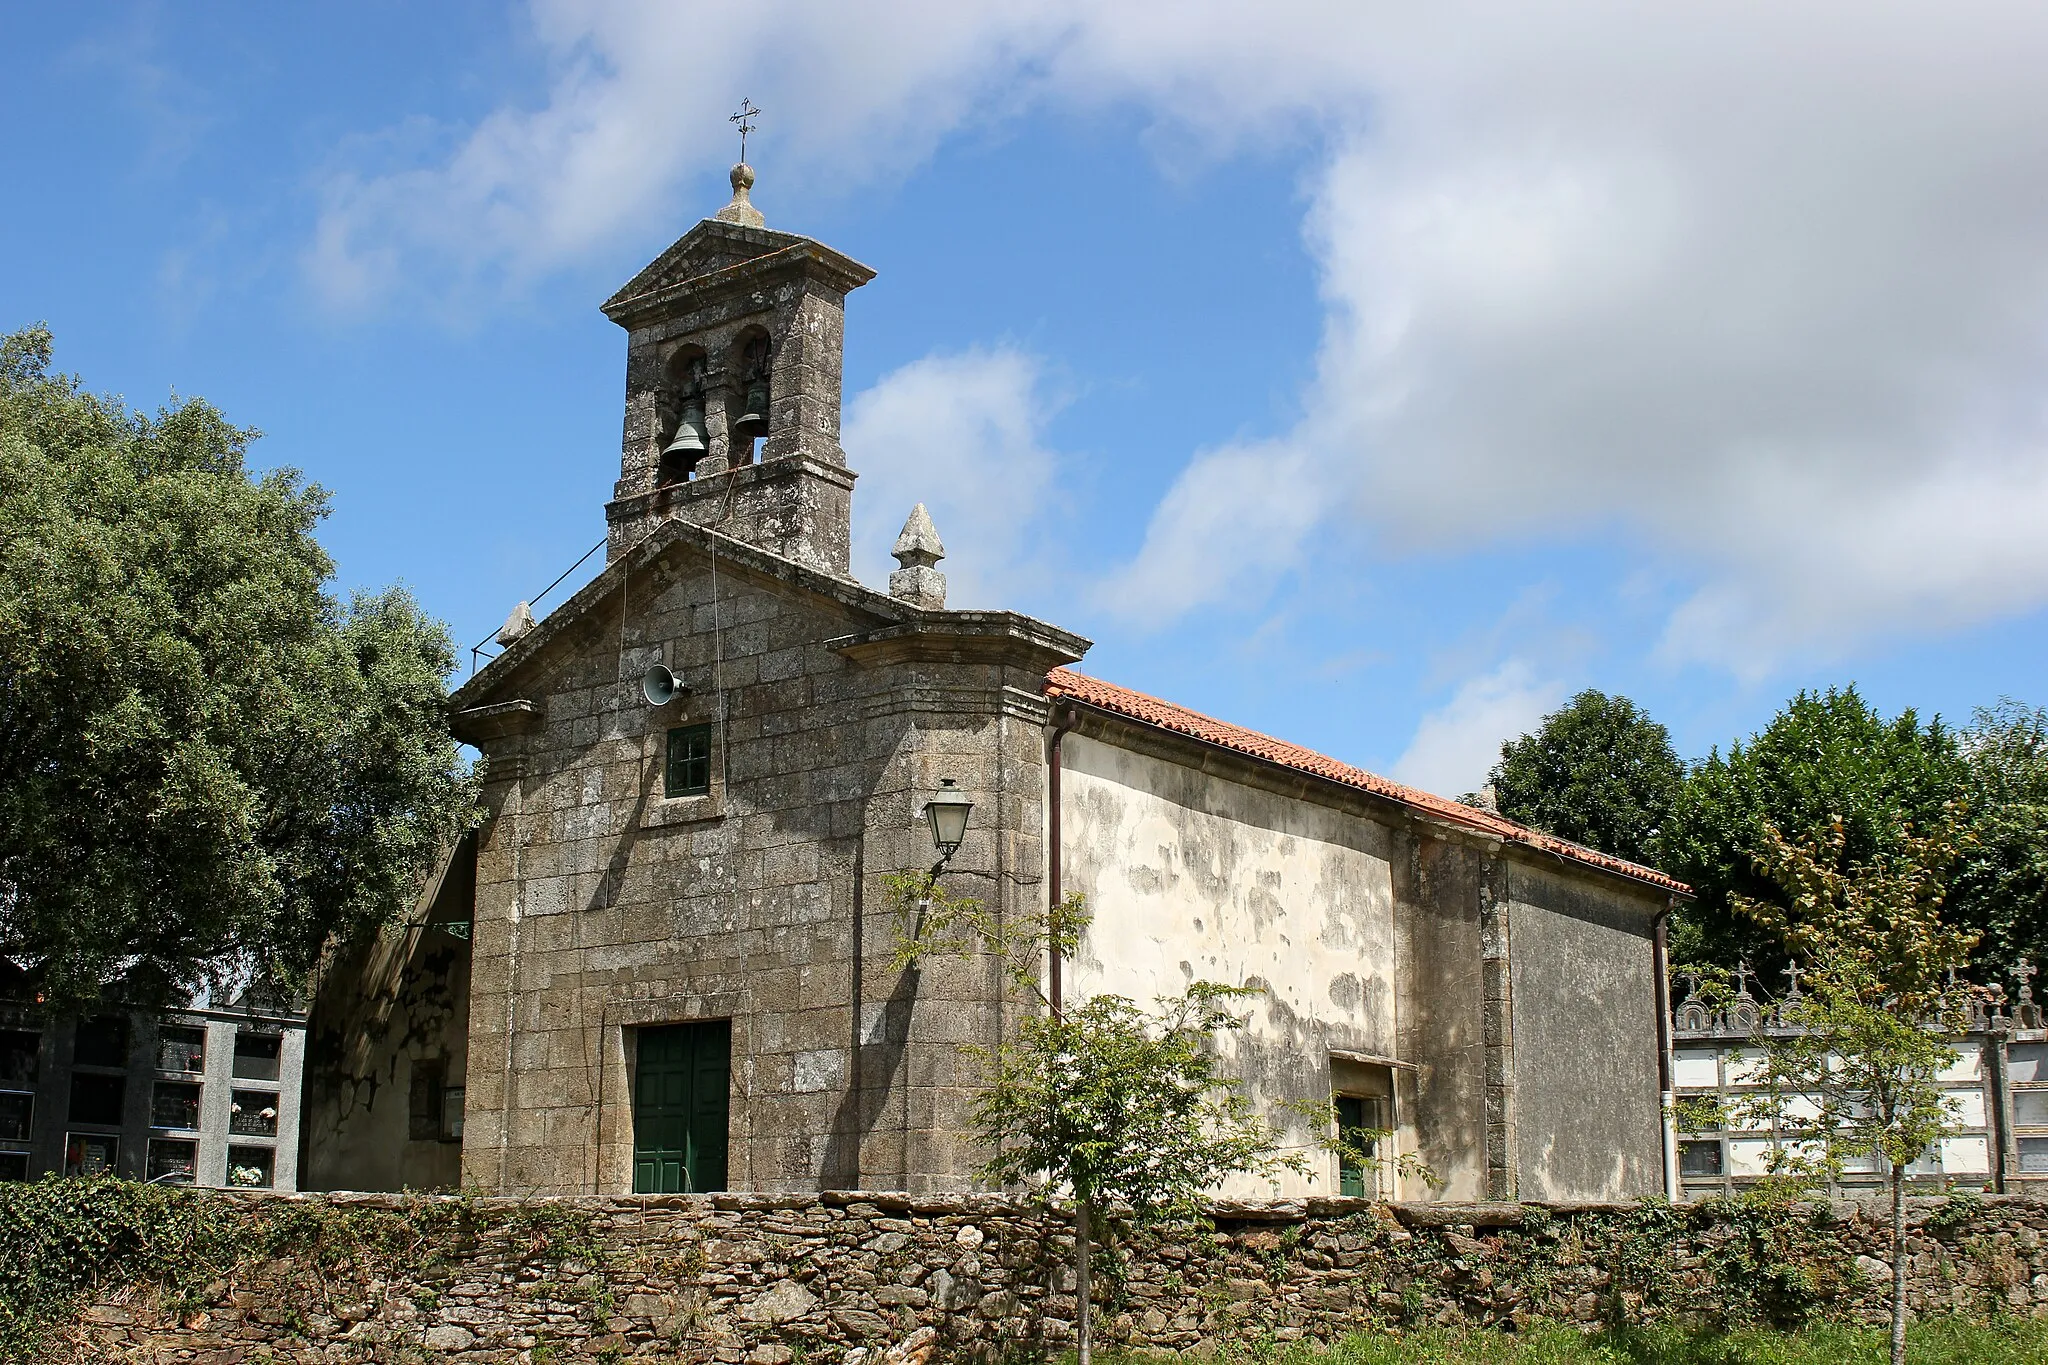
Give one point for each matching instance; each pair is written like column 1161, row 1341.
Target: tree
column 1106, row 1103
column 1826, row 756
column 1857, row 1074
column 1112, row 1104
column 1597, row 771
column 2000, row 889
column 209, row 767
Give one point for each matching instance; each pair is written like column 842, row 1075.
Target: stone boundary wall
column 839, row 1277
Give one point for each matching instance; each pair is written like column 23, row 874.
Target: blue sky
column 1370, row 377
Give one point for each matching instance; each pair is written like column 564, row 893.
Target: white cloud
column 1759, row 290
column 1456, row 745
column 1232, row 523
column 961, row 434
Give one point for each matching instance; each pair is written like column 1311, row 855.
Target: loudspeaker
column 660, row 686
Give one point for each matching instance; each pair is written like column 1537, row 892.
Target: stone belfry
column 732, row 388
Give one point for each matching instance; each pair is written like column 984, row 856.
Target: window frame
column 166, row 1033
column 671, row 762
column 155, row 1176
column 156, row 1096
column 275, row 1057
column 28, row 1121
column 260, row 1156
column 81, row 1140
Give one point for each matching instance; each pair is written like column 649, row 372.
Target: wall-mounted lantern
column 948, row 811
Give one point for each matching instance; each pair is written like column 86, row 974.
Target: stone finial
column 517, row 626
column 741, row 210
column 918, row 549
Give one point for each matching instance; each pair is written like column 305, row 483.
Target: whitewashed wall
column 1192, row 876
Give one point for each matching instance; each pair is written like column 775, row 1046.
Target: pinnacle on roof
column 918, row 544
column 918, row 548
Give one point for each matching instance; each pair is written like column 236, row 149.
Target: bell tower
column 732, row 388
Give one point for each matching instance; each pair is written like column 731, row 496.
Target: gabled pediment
column 706, row 248
column 722, row 255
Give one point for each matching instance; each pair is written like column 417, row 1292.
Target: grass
column 1938, row 1341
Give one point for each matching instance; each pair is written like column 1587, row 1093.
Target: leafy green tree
column 208, row 766
column 1857, row 1075
column 1106, row 1103
column 1826, row 756
column 1597, row 771
column 2001, row 884
column 1114, row 1104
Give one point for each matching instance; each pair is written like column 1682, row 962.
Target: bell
column 689, row 441
column 753, row 421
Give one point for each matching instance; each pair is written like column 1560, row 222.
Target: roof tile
column 1164, row 715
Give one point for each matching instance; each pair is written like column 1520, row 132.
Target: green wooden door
column 1359, row 1117
column 680, row 1107
column 1350, row 1132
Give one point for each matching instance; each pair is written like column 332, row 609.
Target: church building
column 668, row 959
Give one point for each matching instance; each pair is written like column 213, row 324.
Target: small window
column 90, row 1153
column 253, row 1113
column 2030, row 1108
column 689, row 761
column 174, row 1105
column 249, row 1168
column 256, row 1055
column 97, row 1099
column 172, row 1161
column 451, row 1113
column 2034, row 1156
column 436, row 1108
column 181, row 1049
column 17, row 1113
column 20, row 1056
column 1700, row 1157
column 423, row 1110
column 102, row 1041
column 13, row 1165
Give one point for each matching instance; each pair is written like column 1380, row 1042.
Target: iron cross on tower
column 745, row 119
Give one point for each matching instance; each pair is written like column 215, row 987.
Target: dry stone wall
column 778, row 1280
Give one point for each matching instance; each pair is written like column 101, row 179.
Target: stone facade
column 838, row 1277
column 604, row 906
column 721, row 860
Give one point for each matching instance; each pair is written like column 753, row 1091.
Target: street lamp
column 948, row 811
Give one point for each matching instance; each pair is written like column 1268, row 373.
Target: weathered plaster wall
column 1191, row 875
column 604, row 907
column 1518, row 1000
column 1585, row 1037
column 393, row 1004
column 759, row 1279
column 1443, row 1009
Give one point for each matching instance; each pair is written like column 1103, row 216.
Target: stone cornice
column 812, row 260
column 479, row 724
column 965, row 637
column 725, row 484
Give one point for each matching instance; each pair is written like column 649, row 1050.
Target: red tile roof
column 1064, row 683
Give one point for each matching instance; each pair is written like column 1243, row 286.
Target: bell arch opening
column 685, row 433
column 748, row 412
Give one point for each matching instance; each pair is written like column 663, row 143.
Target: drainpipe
column 1668, row 1093
column 1064, row 719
